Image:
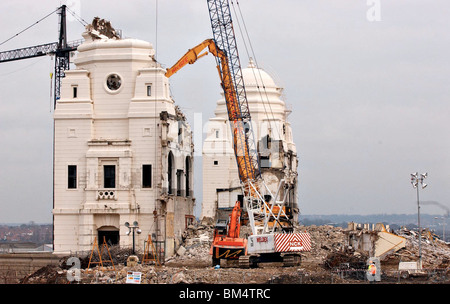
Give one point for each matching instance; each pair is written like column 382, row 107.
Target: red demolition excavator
column 227, row 246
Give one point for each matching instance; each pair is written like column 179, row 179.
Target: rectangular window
column 216, row 162
column 75, row 91
column 109, row 176
column 72, row 177
column 149, row 90
column 146, row 176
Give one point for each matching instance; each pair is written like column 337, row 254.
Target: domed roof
column 262, row 93
column 254, row 76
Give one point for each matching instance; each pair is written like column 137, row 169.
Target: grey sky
column 369, row 98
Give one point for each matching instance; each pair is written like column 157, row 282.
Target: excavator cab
column 221, row 228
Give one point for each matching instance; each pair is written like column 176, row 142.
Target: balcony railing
column 106, row 194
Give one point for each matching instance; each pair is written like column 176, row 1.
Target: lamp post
column 133, row 227
column 415, row 180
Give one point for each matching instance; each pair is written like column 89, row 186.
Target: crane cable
column 79, row 19
column 259, row 71
column 260, row 76
column 28, row 27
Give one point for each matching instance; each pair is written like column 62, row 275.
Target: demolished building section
column 276, row 149
column 374, row 240
column 123, row 151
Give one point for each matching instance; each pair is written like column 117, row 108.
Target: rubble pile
column 192, row 263
column 49, row 274
column 153, row 274
column 435, row 252
column 195, row 247
column 327, row 243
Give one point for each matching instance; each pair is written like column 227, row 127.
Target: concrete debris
column 435, row 253
column 181, row 251
column 331, row 254
column 101, row 28
column 194, row 251
column 373, row 240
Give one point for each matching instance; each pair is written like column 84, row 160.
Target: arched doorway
column 110, row 234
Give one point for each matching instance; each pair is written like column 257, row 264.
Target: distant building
column 273, row 135
column 123, row 151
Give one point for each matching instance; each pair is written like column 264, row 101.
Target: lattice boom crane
column 272, row 236
column 61, row 50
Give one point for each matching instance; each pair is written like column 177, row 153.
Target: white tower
column 277, row 151
column 122, row 150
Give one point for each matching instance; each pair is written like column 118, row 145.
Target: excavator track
column 291, row 260
column 248, row 261
column 244, row 261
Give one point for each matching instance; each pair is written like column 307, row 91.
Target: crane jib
column 234, row 90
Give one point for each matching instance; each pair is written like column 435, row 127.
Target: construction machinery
column 272, row 236
column 227, row 246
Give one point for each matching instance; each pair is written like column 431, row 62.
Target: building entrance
column 111, row 235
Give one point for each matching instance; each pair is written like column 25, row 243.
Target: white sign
column 261, row 243
column 134, row 277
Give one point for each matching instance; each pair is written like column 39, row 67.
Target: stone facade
column 272, row 133
column 123, row 152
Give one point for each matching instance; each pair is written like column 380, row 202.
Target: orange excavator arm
column 234, row 226
column 190, row 57
column 246, row 167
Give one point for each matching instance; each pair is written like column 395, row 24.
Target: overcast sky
column 368, row 86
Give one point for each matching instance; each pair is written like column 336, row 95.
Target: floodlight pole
column 415, row 180
column 133, row 241
column 418, row 223
column 134, row 227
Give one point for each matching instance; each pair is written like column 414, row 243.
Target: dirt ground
column 329, row 262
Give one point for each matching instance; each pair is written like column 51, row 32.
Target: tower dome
column 272, row 136
column 263, row 95
column 255, row 77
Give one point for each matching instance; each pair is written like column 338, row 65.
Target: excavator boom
column 191, row 56
column 248, row 170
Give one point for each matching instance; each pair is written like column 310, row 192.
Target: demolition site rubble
column 331, row 260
